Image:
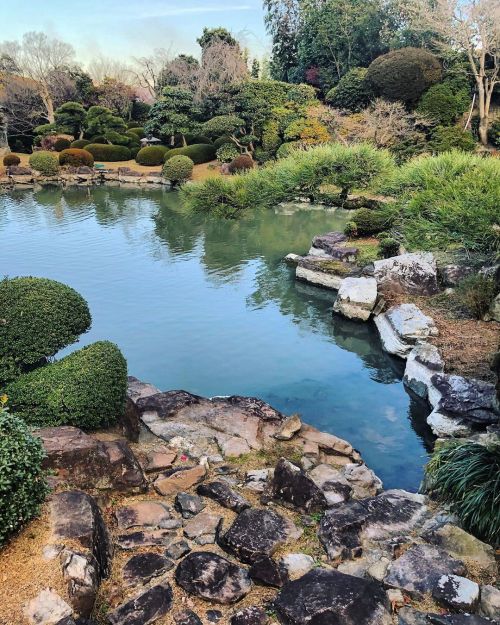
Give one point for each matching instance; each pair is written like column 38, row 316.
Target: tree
column 116, row 96
column 283, row 18
column 37, row 57
column 182, row 71
column 101, row 120
column 215, row 35
column 474, row 27
column 22, row 104
column 255, row 71
column 385, row 124
column 103, row 67
column 174, row 113
column 222, row 65
column 149, row 70
column 233, row 127
column 70, row 118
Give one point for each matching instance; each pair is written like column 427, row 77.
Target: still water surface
column 208, row 306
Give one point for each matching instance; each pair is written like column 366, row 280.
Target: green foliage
column 134, row 151
column 476, row 293
column 80, row 143
column 173, row 113
column 86, row 389
column 351, row 229
column 243, row 162
column 446, row 138
column 70, row 118
column 45, row 130
column 10, row 160
column 271, row 139
column 494, row 133
column 61, row 143
column 222, row 141
column 98, row 139
column 227, row 152
column 466, row 476
column 449, row 201
column 41, row 317
column 213, row 35
column 201, row 153
column 107, row 152
column 100, row 120
column 308, row 131
column 151, row 155
column 404, row 74
column 223, row 125
column 178, row 169
column 139, row 131
column 287, row 149
column 46, row 163
column 116, row 138
column 441, row 105
column 222, row 196
column 353, row 91
column 388, row 247
column 23, row 486
column 76, row 158
column 193, row 139
column 371, row 221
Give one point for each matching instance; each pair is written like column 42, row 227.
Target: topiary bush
column 353, row 92
column 388, row 247
column 61, row 143
column 23, row 485
column 80, row 143
column 86, row 389
column 371, row 221
column 441, row 105
column 151, row 155
column 196, row 139
column 241, row 163
column 76, row 157
column 46, row 163
column 199, row 153
column 41, row 317
column 227, row 152
column 137, row 131
column 99, row 139
column 134, row 150
column 106, row 152
column 178, row 169
column 404, row 74
column 222, row 141
column 444, row 139
column 117, row 138
column 11, row 160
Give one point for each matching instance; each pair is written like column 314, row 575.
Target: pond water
column 208, row 306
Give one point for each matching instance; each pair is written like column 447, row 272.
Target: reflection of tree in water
column 418, row 411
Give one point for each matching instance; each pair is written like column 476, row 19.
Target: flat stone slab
column 252, row 615
column 356, row 298
column 143, row 567
column 328, row 241
column 145, row 514
column 47, row 608
column 133, row 540
column 203, row 528
column 145, row 608
column 402, row 326
column 189, row 505
column 176, row 481
column 224, row 495
column 178, row 550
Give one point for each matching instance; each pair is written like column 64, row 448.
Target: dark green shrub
column 388, row 247
column 76, row 157
column 178, row 169
column 227, row 152
column 353, row 92
column 134, row 150
column 351, row 229
column 446, row 138
column 199, row 153
column 441, row 105
column 466, row 476
column 85, row 389
column 11, row 160
column 287, row 149
column 476, row 293
column 222, row 141
column 262, row 156
column 46, row 163
column 61, row 143
column 493, row 133
column 151, row 155
column 371, row 221
column 241, row 163
column 107, row 152
column 133, row 138
column 138, row 131
column 404, row 74
column 41, row 317
column 117, row 138
column 80, row 143
column 23, row 486
column 99, row 139
column 131, row 125
column 195, row 139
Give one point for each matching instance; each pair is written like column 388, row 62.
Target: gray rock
column 445, row 426
column 130, row 422
column 295, row 565
column 490, row 603
column 82, row 578
column 414, row 273
column 203, row 528
column 292, row 486
column 214, row 616
column 224, row 495
column 187, row 617
column 356, row 298
column 457, row 619
column 249, row 616
column 409, row 616
column 423, row 362
column 47, row 608
column 143, row 567
column 402, row 326
column 332, row 483
column 457, row 593
column 257, row 480
column 153, row 538
column 466, row 398
column 328, row 242
column 178, row 550
column 188, row 505
column 144, row 608
column 452, row 275
column 363, row 481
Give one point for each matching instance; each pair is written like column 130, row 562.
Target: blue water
column 208, row 306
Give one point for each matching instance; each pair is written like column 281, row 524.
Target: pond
column 208, row 306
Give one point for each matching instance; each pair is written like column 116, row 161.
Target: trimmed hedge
column 134, row 150
column 370, row 221
column 222, row 141
column 99, row 139
column 199, row 153
column 11, row 160
column 80, row 143
column 61, row 144
column 178, row 169
column 86, row 389
column 23, row 486
column 46, row 163
column 195, row 139
column 41, row 317
column 107, row 152
column 151, row 155
column 353, row 91
column 241, row 163
column 139, row 132
column 76, row 157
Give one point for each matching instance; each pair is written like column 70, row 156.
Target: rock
column 326, row 596
column 494, row 310
column 402, row 326
column 212, row 577
column 328, row 443
column 457, row 593
column 289, row 428
column 203, row 528
column 214, row 616
column 419, row 569
column 144, row 514
column 356, row 298
column 188, row 505
column 466, row 398
column 444, row 426
column 423, row 362
column 130, row 421
column 414, row 273
column 160, row 459
column 145, row 608
column 296, row 565
column 490, row 602
column 313, row 274
column 332, row 483
column 178, row 550
column 257, row 532
column 363, row 481
column 292, row 259
column 257, row 480
column 224, row 495
column 250, row 616
column 233, row 446
column 267, row 571
column 328, row 242
column 143, row 567
column 178, row 480
column 47, row 608
column 452, row 275
column 79, row 571
column 457, row 619
column 291, row 485
column 395, row 598
column 187, row 617
column 161, row 538
column 409, row 616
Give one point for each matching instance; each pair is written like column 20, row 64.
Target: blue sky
column 122, row 28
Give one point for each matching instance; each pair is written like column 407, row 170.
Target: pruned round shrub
column 199, row 153
column 441, row 105
column 80, row 143
column 23, row 486
column 134, row 150
column 117, row 138
column 241, row 163
column 151, row 155
column 178, row 169
column 11, row 160
column 404, row 74
column 351, row 229
column 287, row 149
column 222, row 141
column 85, row 389
column 388, row 247
column 76, row 157
column 227, row 152
column 447, row 138
column 106, row 152
column 41, row 317
column 195, row 139
column 46, row 163
column 61, row 143
column 138, row 131
column 98, row 139
column 371, row 221
column 353, row 92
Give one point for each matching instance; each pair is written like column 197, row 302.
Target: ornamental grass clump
column 466, row 476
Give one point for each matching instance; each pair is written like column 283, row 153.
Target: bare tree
column 22, row 104
column 102, row 67
column 181, row 71
column 148, row 70
column 37, row 57
column 472, row 26
column 223, row 65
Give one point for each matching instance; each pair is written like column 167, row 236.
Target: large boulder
column 414, row 273
column 473, row 401
column 324, row 272
column 144, row 608
column 423, row 362
column 445, row 426
column 402, row 326
column 356, row 298
column 324, row 597
column 291, row 485
column 457, row 593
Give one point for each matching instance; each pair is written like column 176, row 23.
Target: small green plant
column 227, row 152
column 476, row 294
column 441, row 105
column 11, row 160
column 76, row 157
column 46, row 163
column 388, row 247
column 151, row 155
column 61, row 143
column 178, row 169
column 351, row 229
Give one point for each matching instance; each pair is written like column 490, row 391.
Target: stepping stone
column 203, row 528
column 267, row 571
column 178, row 550
column 47, row 608
column 224, row 495
column 187, row 617
column 162, row 538
column 291, row 485
column 159, row 460
column 143, row 567
column 145, row 608
column 212, row 577
column 457, row 593
column 144, row 514
column 188, row 505
column 250, row 616
column 356, row 298
column 178, row 480
column 295, row 565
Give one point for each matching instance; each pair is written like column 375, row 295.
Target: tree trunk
column 483, row 130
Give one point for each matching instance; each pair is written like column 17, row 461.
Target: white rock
column 423, row 362
column 296, row 565
column 293, row 259
column 356, row 298
column 319, row 278
column 256, row 480
column 363, row 481
column 333, row 484
column 395, row 598
column 457, row 592
column 402, row 326
column 444, row 426
column 47, row 608
column 407, row 273
column 490, row 603
column 379, row 568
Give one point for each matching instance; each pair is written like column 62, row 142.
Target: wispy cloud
column 196, row 10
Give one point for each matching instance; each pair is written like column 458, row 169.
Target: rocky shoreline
column 225, row 510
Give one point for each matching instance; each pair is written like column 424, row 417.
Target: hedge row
column 108, row 152
column 199, row 153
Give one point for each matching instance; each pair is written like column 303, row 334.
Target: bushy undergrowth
column 47, row 163
column 476, row 293
column 467, row 477
column 199, row 153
